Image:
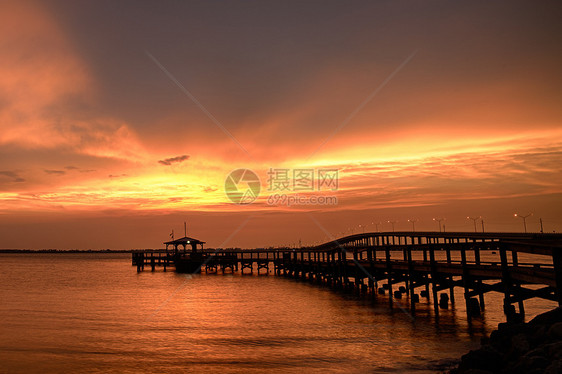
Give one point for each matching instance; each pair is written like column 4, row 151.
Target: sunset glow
column 93, row 133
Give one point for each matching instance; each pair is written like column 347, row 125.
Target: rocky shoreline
column 519, row 348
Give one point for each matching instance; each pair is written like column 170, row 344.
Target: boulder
column 519, row 345
column 554, row 350
column 555, row 331
column 527, row 365
column 548, row 318
column 554, row 368
column 519, row 348
column 485, row 358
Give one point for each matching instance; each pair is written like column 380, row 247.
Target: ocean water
column 94, row 313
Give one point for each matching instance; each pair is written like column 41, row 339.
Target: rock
column 509, row 329
column 501, row 338
column 519, row 345
column 555, row 331
column 538, row 336
column 554, row 368
column 554, row 350
column 538, row 362
column 519, row 348
column 548, row 318
column 485, row 358
column 539, row 351
column 528, row 364
column 444, row 365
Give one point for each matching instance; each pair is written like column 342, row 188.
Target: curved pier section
column 401, row 265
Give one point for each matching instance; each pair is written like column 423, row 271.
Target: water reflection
column 93, row 313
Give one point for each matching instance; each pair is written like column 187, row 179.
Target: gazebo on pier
column 185, row 241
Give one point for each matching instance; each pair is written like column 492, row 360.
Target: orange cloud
column 40, row 75
column 38, row 69
column 474, row 171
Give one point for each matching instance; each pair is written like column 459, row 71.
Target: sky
column 121, row 120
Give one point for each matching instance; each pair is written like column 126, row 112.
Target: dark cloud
column 54, row 172
column 13, row 175
column 321, row 67
column 79, row 169
column 117, row 176
column 173, row 160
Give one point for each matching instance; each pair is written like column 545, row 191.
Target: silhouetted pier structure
column 166, row 257
column 224, row 261
column 152, row 258
column 398, row 264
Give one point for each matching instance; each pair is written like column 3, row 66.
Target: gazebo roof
column 185, row 240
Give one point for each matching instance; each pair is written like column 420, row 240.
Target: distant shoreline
column 66, row 250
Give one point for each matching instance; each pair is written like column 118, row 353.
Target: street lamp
column 413, row 224
column 392, row 223
column 524, row 219
column 474, row 219
column 439, row 220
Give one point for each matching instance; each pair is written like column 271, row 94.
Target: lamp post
column 392, row 223
column 413, row 224
column 524, row 219
column 439, row 220
column 474, row 219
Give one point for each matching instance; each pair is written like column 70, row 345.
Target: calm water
column 94, row 313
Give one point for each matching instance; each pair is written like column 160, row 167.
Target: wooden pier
column 399, row 264
column 152, row 258
column 223, row 261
